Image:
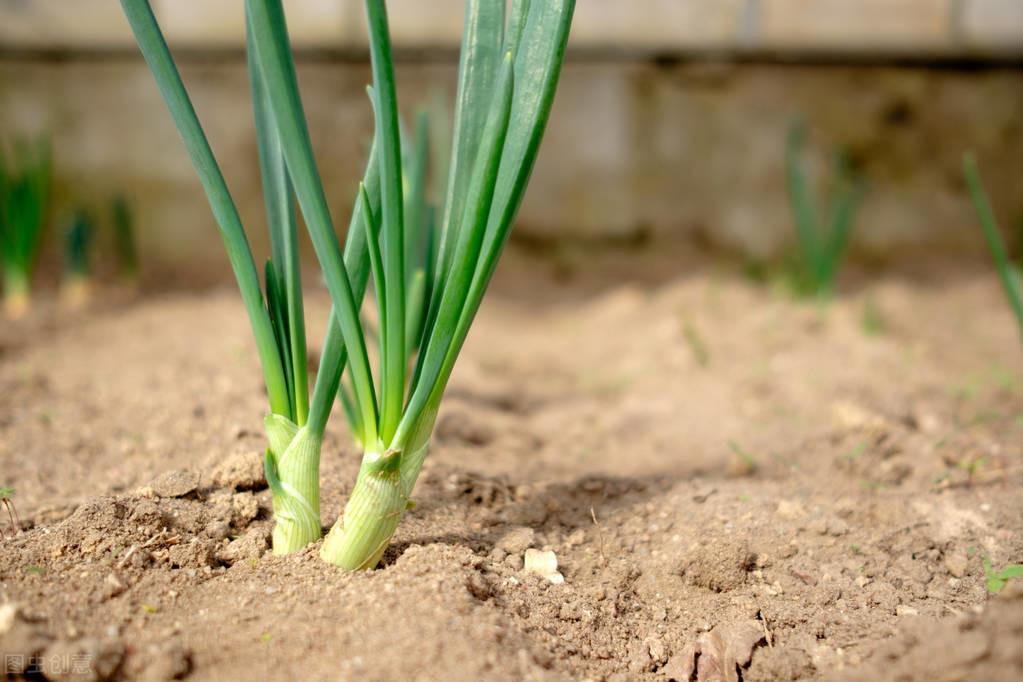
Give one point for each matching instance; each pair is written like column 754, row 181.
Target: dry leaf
column 717, row 655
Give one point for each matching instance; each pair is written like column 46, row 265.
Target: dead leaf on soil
column 717, row 655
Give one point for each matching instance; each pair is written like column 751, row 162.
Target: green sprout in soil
column 124, row 241
column 696, row 343
column 997, row 580
column 873, row 320
column 6, row 493
column 822, row 240
column 78, row 242
column 746, row 462
column 507, row 78
column 24, row 191
column 1007, row 271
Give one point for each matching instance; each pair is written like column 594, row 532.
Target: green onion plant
column 1007, row 270
column 822, row 241
column 430, row 269
column 24, row 191
column 124, row 240
column 78, row 245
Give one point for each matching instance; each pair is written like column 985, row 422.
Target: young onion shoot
column 124, row 241
column 24, row 192
column 78, row 243
column 1007, row 271
column 494, row 154
column 821, row 242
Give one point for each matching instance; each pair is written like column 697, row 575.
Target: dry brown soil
column 736, row 486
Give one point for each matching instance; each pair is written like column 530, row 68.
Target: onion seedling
column 508, row 74
column 78, row 242
column 1007, row 271
column 24, row 191
column 124, row 240
column 821, row 242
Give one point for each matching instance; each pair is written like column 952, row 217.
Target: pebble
column 177, row 483
column 956, row 565
column 517, row 540
column 241, row 471
column 543, row 564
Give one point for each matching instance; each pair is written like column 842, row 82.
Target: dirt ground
column 735, row 485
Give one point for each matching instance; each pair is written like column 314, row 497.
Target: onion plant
column 78, row 243
column 124, row 240
column 822, row 242
column 24, row 190
column 428, row 283
column 1007, row 270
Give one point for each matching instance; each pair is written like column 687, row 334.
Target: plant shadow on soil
column 801, row 500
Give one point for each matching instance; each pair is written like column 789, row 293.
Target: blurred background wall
column 669, row 123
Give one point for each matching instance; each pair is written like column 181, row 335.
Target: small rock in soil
column 245, row 507
column 543, row 564
column 252, row 545
column 241, row 471
column 516, row 541
column 719, row 566
column 218, row 529
column 113, row 585
column 956, row 565
column 195, row 554
column 177, row 483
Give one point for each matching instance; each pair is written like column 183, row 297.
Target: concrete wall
column 913, row 27
column 689, row 143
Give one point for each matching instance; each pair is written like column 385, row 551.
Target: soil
column 735, row 486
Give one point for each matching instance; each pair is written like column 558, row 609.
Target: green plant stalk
column 294, row 433
column 820, row 245
column 17, row 291
column 1010, row 279
column 494, row 183
column 283, row 271
column 157, row 55
column 802, row 204
column 23, row 194
column 79, row 241
column 296, row 498
column 273, row 51
column 124, row 240
column 392, row 242
column 382, row 495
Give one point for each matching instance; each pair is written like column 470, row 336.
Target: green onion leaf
column 157, row 55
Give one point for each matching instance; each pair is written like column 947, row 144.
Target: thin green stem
column 467, row 250
column 334, row 356
column 392, row 220
column 157, row 55
column 280, row 212
column 274, row 54
column 1010, row 280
